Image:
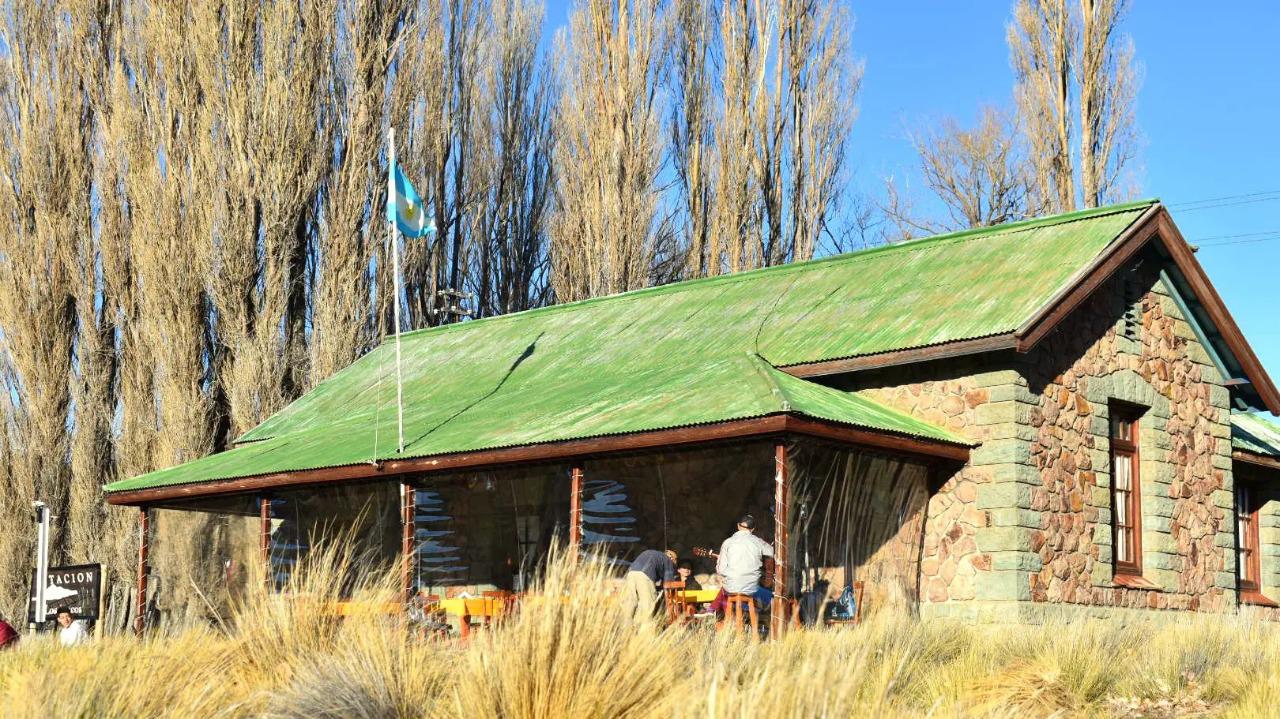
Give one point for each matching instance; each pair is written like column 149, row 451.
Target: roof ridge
column 807, row 265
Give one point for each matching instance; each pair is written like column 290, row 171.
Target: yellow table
column 478, row 606
column 699, row 595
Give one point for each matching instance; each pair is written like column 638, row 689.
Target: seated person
column 741, row 559
column 685, row 573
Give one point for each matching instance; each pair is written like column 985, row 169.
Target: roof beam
column 1255, row 459
column 901, row 357
column 926, row 449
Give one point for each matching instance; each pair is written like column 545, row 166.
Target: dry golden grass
column 568, row 654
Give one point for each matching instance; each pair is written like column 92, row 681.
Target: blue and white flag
column 404, row 207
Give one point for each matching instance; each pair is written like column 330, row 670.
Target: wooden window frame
column 1246, row 513
column 1248, row 540
column 1131, row 449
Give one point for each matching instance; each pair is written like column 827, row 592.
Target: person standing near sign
column 70, row 631
column 8, row 635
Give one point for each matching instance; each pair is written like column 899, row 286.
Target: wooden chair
column 432, row 619
column 486, row 609
column 739, row 608
column 678, row 609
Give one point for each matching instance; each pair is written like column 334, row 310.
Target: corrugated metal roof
column 672, row 356
column 1252, row 433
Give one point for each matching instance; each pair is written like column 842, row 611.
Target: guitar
column 766, row 573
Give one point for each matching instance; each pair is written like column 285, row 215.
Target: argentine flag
column 404, row 207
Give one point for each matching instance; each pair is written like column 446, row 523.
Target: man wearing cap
column 640, row 588
column 742, row 558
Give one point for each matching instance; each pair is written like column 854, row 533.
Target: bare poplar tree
column 1108, row 93
column 691, row 127
column 808, row 120
column 509, row 270
column 270, row 154
column 1062, row 57
column 42, row 206
column 350, row 216
column 606, row 235
column 735, row 234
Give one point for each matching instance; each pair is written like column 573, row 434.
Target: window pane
column 1124, row 473
column 1122, row 545
column 1121, row 428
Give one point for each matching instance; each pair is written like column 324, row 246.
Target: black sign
column 78, row 588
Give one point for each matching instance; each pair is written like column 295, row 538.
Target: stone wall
column 960, row 569
column 1140, row 351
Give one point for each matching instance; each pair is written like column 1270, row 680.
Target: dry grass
column 568, row 654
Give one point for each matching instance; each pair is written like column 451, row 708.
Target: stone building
column 1051, row 415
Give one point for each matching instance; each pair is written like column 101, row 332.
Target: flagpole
column 395, row 265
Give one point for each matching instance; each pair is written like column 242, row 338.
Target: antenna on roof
column 453, row 304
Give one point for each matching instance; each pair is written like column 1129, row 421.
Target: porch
column 837, row 513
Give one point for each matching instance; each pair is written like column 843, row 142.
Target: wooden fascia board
column 1154, row 224
column 1117, row 254
column 1255, row 459
column 558, row 451
column 1209, row 298
column 895, row 358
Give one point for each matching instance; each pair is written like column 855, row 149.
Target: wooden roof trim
column 1255, row 459
column 1115, row 256
column 1154, row 224
column 932, row 450
column 1209, row 298
column 895, row 358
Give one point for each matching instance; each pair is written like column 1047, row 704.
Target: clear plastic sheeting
column 854, row 516
column 480, row 531
column 676, row 499
column 367, row 515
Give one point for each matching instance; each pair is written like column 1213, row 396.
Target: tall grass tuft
column 568, row 652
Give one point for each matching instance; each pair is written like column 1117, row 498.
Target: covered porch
column 841, row 507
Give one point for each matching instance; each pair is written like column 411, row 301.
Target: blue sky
column 1207, row 113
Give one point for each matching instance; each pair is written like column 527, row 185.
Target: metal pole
column 575, row 511
column 781, row 489
column 144, row 546
column 408, row 517
column 42, row 563
column 395, row 262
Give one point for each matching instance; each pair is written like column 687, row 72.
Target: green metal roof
column 1252, row 433
column 683, row 354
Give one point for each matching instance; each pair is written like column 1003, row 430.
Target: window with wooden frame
column 1248, row 565
column 1126, row 491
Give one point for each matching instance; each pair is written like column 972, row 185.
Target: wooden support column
column 781, row 609
column 575, row 511
column 144, row 550
column 264, row 538
column 408, row 539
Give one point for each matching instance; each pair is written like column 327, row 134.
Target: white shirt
column 741, row 559
column 74, row 634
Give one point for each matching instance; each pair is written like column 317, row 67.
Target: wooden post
column 575, row 511
column 781, row 489
column 144, row 549
column 408, row 519
column 264, row 538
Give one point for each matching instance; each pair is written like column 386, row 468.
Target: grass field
column 566, row 656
